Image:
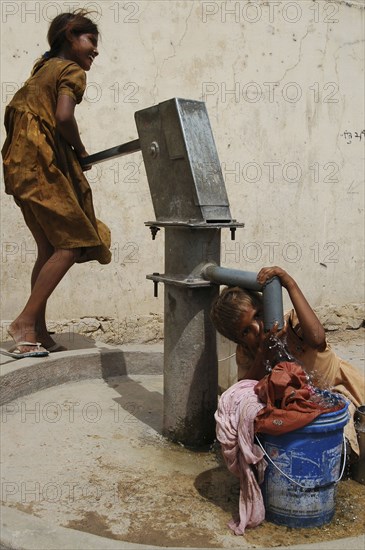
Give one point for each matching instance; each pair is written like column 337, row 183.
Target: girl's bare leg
column 50, row 274
column 45, row 251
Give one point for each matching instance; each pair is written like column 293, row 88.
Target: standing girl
column 41, row 160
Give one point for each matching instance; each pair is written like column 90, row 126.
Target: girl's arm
column 312, row 329
column 67, row 125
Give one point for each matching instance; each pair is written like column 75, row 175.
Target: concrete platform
column 84, row 464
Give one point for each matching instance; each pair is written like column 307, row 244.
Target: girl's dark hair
column 75, row 22
column 228, row 308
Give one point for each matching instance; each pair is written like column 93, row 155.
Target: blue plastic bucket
column 303, row 470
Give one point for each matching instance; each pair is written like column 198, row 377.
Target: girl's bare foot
column 45, row 338
column 24, row 332
column 48, row 342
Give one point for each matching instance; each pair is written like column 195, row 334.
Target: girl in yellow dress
column 41, row 161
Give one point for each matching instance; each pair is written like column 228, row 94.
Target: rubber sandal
column 11, row 352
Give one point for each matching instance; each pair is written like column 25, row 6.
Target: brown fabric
column 288, row 399
column 42, row 171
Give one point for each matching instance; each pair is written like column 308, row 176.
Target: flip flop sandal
column 16, row 354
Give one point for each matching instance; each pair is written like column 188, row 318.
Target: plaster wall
column 283, row 82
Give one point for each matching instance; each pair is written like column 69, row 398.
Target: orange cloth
column 42, row 171
column 287, row 396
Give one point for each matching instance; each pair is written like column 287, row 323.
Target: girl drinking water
column 238, row 315
column 41, row 161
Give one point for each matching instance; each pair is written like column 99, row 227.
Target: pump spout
column 271, row 291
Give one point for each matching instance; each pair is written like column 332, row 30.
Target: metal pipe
column 271, row 291
column 272, row 297
column 113, row 152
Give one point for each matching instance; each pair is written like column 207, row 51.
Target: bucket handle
column 295, row 482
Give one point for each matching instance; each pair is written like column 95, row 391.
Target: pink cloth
column 237, row 410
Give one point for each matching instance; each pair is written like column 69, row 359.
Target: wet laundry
column 282, row 401
column 291, row 402
column 235, row 418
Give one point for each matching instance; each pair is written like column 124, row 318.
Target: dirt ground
column 222, row 489
column 167, row 524
column 134, row 485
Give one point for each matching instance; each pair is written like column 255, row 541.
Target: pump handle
column 113, row 152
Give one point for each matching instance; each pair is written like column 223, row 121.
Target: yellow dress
column 42, row 171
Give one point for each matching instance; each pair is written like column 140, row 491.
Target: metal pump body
column 190, row 202
column 182, row 165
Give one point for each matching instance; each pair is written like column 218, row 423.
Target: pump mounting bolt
column 154, row 229
column 154, row 149
column 155, row 286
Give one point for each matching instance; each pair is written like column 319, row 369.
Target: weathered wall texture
column 284, row 85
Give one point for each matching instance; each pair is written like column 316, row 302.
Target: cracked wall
column 284, row 85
